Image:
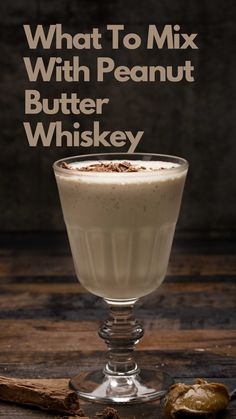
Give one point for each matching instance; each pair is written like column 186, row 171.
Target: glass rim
column 182, row 163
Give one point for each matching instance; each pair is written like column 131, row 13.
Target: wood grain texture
column 49, row 322
column 36, row 263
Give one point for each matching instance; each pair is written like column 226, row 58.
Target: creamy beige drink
column 121, row 223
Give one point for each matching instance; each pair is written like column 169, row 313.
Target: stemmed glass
column 120, row 227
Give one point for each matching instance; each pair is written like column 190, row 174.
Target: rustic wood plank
column 188, row 363
column 202, row 265
column 26, row 263
column 31, row 263
column 83, row 337
column 147, row 411
column 48, row 325
column 173, row 305
column 187, row 242
column 76, row 288
column 185, row 318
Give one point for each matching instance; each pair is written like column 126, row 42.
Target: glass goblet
column 120, row 217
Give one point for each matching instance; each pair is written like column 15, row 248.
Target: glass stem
column 121, row 332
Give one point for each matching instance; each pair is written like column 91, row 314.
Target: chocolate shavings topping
column 121, row 167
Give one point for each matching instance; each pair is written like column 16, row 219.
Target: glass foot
column 139, row 388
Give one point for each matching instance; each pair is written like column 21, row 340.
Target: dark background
column 194, row 120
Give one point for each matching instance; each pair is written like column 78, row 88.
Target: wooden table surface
column 48, row 322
